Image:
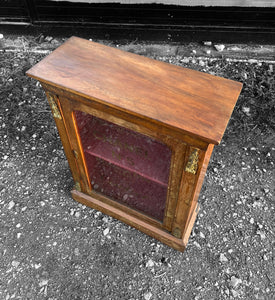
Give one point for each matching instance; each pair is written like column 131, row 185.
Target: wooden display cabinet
column 138, row 133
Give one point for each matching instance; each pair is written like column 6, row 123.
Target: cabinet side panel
column 63, row 134
column 199, row 184
column 189, row 190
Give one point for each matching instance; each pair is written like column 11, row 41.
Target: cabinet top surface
column 194, row 102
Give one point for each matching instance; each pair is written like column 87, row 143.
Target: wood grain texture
column 65, row 139
column 190, row 101
column 132, row 122
column 204, row 161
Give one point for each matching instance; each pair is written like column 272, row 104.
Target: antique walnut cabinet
column 138, row 133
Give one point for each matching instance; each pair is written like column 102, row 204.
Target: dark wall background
column 153, row 21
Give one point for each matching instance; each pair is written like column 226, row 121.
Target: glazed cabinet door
column 124, row 164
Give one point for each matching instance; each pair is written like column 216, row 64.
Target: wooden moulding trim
column 64, row 137
column 90, row 101
column 188, row 186
column 199, row 182
column 161, row 235
column 126, row 209
column 190, row 224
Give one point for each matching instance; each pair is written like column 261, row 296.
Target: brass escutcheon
column 77, row 186
column 192, row 164
column 177, row 233
column 54, row 107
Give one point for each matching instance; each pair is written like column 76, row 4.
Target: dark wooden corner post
column 138, row 133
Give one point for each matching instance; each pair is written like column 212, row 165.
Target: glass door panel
column 124, row 165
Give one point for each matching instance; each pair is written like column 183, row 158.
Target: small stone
column 246, row 110
column 106, row 231
column 257, row 204
column 185, row 60
column 148, row 295
column 223, row 258
column 219, row 48
column 54, row 41
column 48, row 38
column 76, row 252
column 261, row 234
column 105, row 219
column 194, row 51
column 202, row 235
column 43, row 282
column 15, row 263
column 251, row 221
column 234, row 293
column 37, row 266
column 197, row 245
column 201, row 63
column 208, row 51
column 150, row 263
column 235, row 281
column 77, row 214
column 207, row 43
column 11, row 204
column 1, row 36
column 19, row 235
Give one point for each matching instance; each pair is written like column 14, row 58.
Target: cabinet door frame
column 178, row 150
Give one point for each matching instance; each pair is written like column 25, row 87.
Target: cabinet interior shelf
column 124, row 148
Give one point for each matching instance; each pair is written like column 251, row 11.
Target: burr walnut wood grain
column 184, row 99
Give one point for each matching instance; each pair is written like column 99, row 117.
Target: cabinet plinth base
column 157, row 233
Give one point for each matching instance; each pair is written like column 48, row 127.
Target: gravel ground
column 51, row 247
